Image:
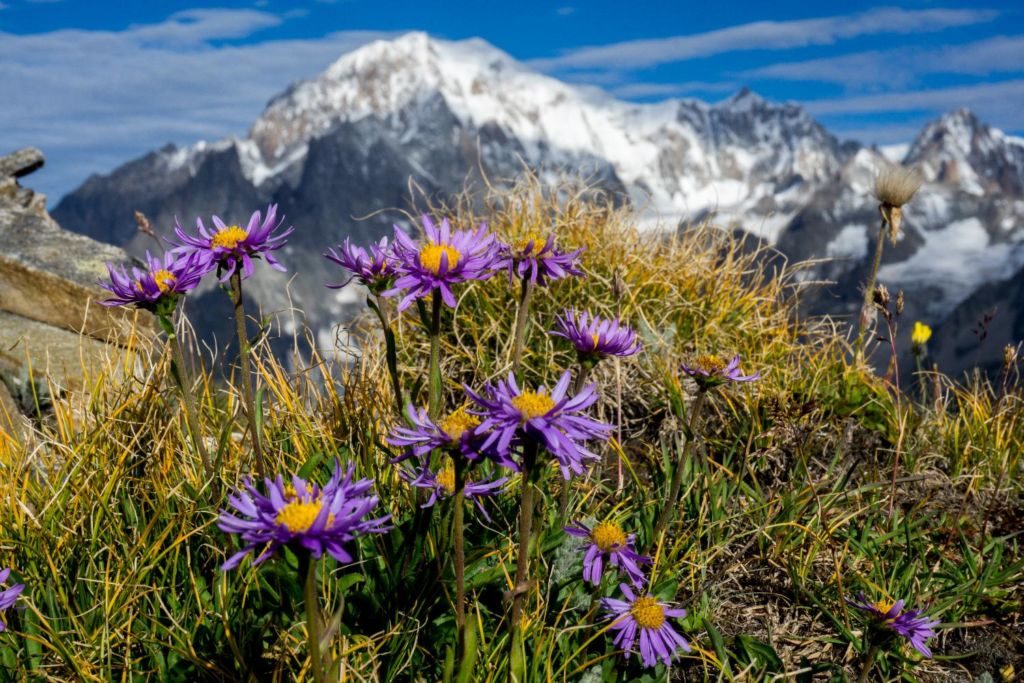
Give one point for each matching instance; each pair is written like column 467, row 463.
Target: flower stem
column 390, row 348
column 435, row 388
column 869, row 661
column 460, row 555
column 869, row 290
column 525, row 529
column 522, row 315
column 677, row 476
column 184, row 380
column 243, row 356
column 307, row 567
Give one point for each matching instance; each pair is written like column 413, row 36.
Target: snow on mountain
column 681, row 159
column 347, row 143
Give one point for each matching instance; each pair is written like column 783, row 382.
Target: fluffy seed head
column 896, row 185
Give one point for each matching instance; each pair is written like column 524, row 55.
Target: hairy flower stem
column 391, row 349
column 522, row 316
column 243, row 356
column 869, row 661
column 869, row 291
column 525, row 528
column 435, row 389
column 677, row 476
column 184, row 380
column 310, row 595
column 460, row 555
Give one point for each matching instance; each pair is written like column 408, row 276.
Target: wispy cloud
column 635, row 90
column 92, row 99
column 565, row 11
column 901, row 67
column 996, row 103
column 762, row 35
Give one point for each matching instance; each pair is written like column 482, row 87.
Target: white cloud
column 995, row 103
column 92, row 99
column 770, row 35
column 641, row 89
column 565, row 11
column 902, row 66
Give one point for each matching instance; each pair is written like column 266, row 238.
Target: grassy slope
column 785, row 507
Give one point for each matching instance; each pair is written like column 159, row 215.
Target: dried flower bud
column 899, row 302
column 1010, row 353
column 881, row 297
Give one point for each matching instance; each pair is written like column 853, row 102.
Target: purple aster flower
column 228, row 245
column 711, row 371
column 302, row 515
column 556, row 420
column 535, row 257
column 458, row 431
column 609, row 543
column 446, row 257
column 442, row 485
column 164, row 278
column 595, row 336
column 8, row 596
column 908, row 623
column 643, row 613
column 373, row 268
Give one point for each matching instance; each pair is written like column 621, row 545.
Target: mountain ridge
column 446, row 114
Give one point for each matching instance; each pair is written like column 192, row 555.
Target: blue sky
column 97, row 83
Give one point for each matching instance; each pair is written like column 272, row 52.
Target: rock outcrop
column 52, row 329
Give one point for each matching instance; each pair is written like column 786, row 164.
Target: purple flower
column 537, row 258
column 609, row 543
column 658, row 640
column 910, row 624
column 302, row 515
column 228, row 245
column 373, row 268
column 711, row 371
column 442, row 485
column 165, row 278
column 513, row 415
column 444, row 259
column 595, row 336
column 458, row 431
column 8, row 596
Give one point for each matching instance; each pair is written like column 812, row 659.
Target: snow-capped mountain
column 348, row 142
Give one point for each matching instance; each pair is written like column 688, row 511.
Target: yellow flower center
column 596, row 339
column 884, row 606
column 538, row 244
column 430, row 257
column 458, row 423
column 164, row 280
column 710, row 363
column 298, row 515
column 446, row 479
column 290, row 492
column 533, row 404
column 647, row 612
column 608, row 536
column 229, row 237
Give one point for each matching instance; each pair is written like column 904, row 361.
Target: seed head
column 896, row 185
